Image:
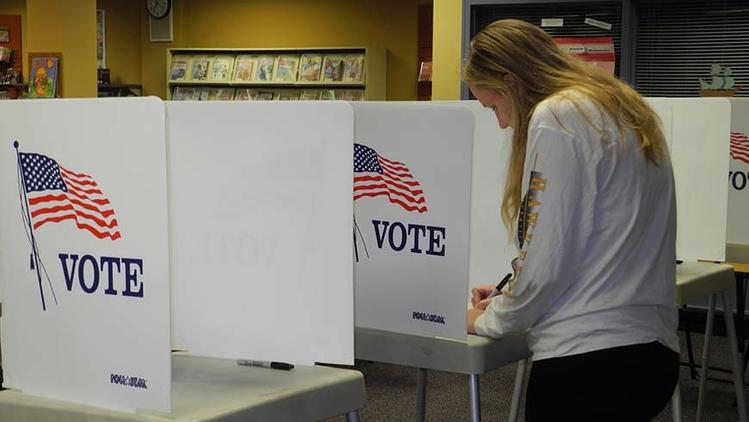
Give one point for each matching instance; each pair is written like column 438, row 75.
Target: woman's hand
column 473, row 313
column 479, row 296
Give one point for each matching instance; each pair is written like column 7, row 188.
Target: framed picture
column 101, row 52
column 4, row 35
column 45, row 75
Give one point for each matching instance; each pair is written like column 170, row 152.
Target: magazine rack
column 214, row 74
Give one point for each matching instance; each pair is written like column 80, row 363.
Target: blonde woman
column 590, row 196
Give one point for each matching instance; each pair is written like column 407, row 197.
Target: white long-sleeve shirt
column 596, row 239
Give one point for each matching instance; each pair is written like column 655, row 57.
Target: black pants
column 629, row 383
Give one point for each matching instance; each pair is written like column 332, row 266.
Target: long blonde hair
column 540, row 69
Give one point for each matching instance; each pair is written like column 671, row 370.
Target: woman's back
column 596, row 237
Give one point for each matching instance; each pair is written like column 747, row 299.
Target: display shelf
column 204, row 68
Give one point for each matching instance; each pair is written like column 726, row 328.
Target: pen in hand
column 265, row 364
column 498, row 290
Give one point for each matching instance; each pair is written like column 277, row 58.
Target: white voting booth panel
column 697, row 132
column 738, row 177
column 491, row 247
column 412, row 190
column 260, row 218
column 86, row 284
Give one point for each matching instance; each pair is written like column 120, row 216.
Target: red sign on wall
column 596, row 50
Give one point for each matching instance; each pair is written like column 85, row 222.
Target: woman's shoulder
column 565, row 110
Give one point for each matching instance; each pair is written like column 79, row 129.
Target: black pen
column 498, row 290
column 265, row 364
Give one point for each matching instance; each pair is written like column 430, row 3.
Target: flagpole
column 25, row 205
column 356, row 250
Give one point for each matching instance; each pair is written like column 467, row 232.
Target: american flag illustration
column 57, row 194
column 375, row 175
column 740, row 147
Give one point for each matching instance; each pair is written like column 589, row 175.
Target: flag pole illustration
column 25, row 206
column 356, row 249
column 50, row 193
column 375, row 175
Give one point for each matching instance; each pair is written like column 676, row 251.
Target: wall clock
column 158, row 8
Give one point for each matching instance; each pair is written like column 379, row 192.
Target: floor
column 391, row 392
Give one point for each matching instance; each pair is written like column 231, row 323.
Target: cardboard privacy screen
column 84, row 265
column 261, row 218
column 412, row 176
column 738, row 176
column 697, row 131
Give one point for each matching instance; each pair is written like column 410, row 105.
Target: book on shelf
column 244, row 67
column 199, row 68
column 264, row 68
column 333, row 68
column 352, row 95
column 180, row 65
column 353, row 70
column 309, row 67
column 287, row 95
column 286, row 68
column 331, row 94
column 221, row 69
column 186, row 93
column 309, row 95
column 425, row 72
column 263, row 95
column 220, row 93
column 243, row 94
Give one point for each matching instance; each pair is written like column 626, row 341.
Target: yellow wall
column 446, row 45
column 122, row 39
column 292, row 23
column 68, row 27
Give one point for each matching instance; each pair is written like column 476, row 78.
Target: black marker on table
column 265, row 364
column 498, row 290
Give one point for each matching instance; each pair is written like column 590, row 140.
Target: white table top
column 477, row 355
column 697, row 280
column 209, row 389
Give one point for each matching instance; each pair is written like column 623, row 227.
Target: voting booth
column 389, row 295
column 260, row 223
column 84, row 257
column 412, row 170
column 122, row 241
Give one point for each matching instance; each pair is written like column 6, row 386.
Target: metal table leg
column 421, row 394
column 473, row 387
